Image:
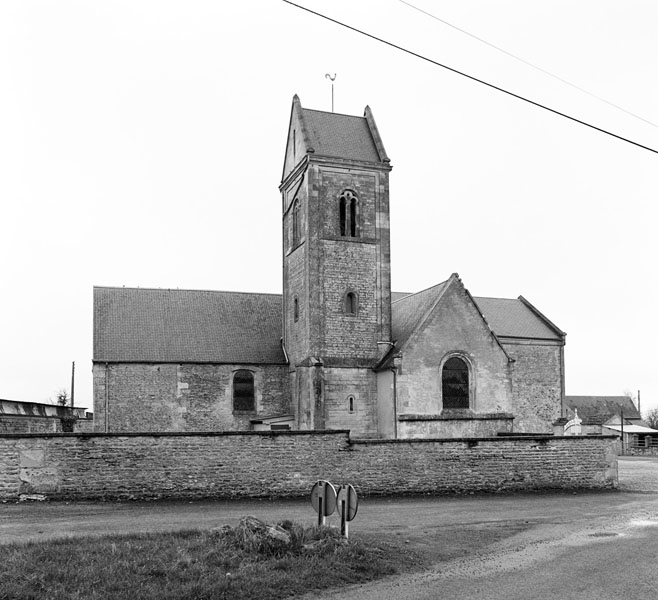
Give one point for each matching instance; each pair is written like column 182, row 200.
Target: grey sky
column 141, row 144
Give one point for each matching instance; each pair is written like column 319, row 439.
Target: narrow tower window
column 353, row 217
column 243, row 391
column 348, row 214
column 455, row 383
column 350, row 404
column 295, row 309
column 295, row 222
column 343, row 216
column 350, row 303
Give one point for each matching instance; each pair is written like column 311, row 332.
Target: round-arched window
column 243, row 391
column 455, row 386
column 350, row 303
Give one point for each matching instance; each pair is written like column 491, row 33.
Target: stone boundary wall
column 640, row 451
column 286, row 464
column 28, row 424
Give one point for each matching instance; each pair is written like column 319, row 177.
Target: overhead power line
column 526, row 62
column 472, row 78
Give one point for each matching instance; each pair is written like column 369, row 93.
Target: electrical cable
column 472, row 78
column 526, row 62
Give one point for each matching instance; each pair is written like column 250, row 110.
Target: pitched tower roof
column 332, row 135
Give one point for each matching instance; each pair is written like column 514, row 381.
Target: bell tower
column 336, row 267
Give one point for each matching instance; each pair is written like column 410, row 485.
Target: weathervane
column 332, row 89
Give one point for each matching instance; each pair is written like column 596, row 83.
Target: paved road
column 601, row 547
column 587, row 545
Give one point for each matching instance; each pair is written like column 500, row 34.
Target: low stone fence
column 286, row 464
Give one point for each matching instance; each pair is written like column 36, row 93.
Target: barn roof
column 599, row 409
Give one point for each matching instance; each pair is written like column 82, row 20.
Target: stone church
column 338, row 349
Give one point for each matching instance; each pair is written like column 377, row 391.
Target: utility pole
column 73, row 384
column 622, row 433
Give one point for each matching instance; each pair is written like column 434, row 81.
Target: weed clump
column 251, row 560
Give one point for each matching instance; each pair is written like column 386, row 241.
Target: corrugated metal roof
column 513, row 318
column 632, row 428
column 343, row 136
column 160, row 325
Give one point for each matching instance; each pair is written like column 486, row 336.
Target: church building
column 338, row 349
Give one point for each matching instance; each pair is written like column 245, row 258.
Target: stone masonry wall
column 32, row 424
column 360, row 384
column 286, row 464
column 454, row 326
column 536, row 386
column 183, row 397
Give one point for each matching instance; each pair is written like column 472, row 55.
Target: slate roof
column 510, row 317
column 161, row 325
column 596, row 410
column 506, row 317
column 343, row 136
column 188, row 326
column 406, row 312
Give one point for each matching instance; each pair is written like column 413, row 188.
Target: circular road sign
column 323, row 490
column 347, row 497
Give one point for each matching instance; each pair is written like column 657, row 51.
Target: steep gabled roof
column 161, row 325
column 408, row 311
column 517, row 318
column 331, row 135
column 596, row 410
column 341, row 136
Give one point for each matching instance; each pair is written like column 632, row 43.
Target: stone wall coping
column 471, row 416
column 133, row 434
column 475, row 440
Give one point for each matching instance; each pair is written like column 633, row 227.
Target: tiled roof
column 506, row 317
column 160, row 325
column 343, row 136
column 598, row 409
column 513, row 318
column 407, row 311
column 395, row 296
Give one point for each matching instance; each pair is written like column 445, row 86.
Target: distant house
column 34, row 417
column 605, row 415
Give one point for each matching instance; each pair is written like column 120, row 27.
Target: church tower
column 336, row 267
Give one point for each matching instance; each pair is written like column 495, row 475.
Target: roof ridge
column 326, row 112
column 419, row 292
column 496, row 298
column 166, row 289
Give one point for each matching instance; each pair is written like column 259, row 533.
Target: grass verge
column 235, row 563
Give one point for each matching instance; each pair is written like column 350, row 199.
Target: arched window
column 348, row 214
column 350, row 404
column 350, row 303
column 243, row 391
column 295, row 223
column 353, row 217
column 455, row 383
column 295, row 309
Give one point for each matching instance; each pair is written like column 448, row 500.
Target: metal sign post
column 323, row 499
column 348, row 504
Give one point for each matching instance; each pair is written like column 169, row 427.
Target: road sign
column 323, row 499
column 347, row 504
column 347, row 501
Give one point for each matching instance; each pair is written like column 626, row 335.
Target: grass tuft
column 239, row 563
